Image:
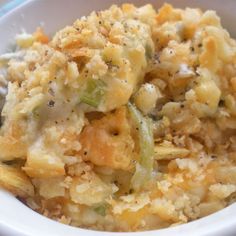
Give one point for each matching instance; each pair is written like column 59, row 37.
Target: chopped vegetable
column 146, row 143
column 35, row 112
column 101, row 210
column 148, row 51
column 141, row 175
column 94, row 92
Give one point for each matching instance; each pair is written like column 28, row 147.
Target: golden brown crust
column 108, row 141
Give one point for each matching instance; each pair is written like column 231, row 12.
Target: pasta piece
column 169, row 152
column 12, row 148
column 51, row 187
column 16, row 181
column 226, row 175
column 90, row 191
column 41, row 164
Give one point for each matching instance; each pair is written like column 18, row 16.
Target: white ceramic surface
column 18, row 220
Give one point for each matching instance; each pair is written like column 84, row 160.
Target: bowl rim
column 211, row 225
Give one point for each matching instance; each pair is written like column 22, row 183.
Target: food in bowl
column 124, row 121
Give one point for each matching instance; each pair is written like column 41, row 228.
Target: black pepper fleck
column 131, row 191
column 51, row 103
column 221, row 103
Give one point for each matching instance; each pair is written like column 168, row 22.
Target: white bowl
column 15, row 217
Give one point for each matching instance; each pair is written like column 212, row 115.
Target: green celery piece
column 101, row 210
column 148, row 51
column 141, row 175
column 91, row 101
column 94, row 92
column 145, row 166
column 35, row 112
